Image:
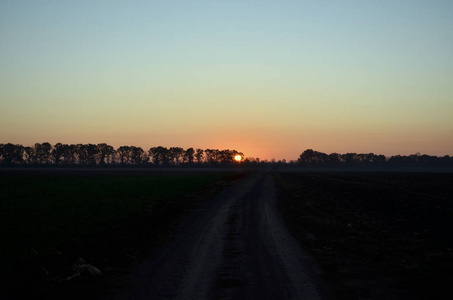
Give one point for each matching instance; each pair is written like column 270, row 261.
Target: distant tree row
column 104, row 154
column 315, row 158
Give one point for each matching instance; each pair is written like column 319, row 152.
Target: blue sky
column 269, row 78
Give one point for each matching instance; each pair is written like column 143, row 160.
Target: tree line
column 104, row 154
column 315, row 158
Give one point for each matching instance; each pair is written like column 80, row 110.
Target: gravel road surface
column 235, row 247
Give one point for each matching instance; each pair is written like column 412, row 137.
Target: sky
column 268, row 78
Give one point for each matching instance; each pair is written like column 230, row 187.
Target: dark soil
column 376, row 235
column 114, row 252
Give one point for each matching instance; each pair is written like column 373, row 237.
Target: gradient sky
column 268, row 78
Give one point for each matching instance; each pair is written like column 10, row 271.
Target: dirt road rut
column 236, row 247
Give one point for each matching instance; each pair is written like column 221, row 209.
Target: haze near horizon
column 267, row 78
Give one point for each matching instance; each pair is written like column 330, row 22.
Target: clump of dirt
column 376, row 235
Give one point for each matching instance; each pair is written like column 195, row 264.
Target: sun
column 237, row 158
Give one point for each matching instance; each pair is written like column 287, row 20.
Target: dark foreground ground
column 372, row 236
column 375, row 235
column 235, row 247
column 111, row 219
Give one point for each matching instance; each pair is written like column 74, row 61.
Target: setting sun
column 238, row 158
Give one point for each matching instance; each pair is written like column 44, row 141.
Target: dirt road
column 235, row 247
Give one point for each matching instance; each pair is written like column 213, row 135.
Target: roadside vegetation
column 53, row 228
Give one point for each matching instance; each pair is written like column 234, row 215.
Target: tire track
column 236, row 247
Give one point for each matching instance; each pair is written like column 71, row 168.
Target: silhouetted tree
column 349, row 158
column 397, row 160
column 334, row 159
column 153, row 155
column 445, row 160
column 80, row 154
column 57, row 152
column 310, row 156
column 199, row 155
column 70, row 154
column 92, row 151
column 227, row 156
column 105, row 153
column 211, row 156
column 29, row 155
column 124, row 154
column 11, row 154
column 159, row 155
column 189, row 156
column 43, row 153
column 137, row 155
column 176, row 155
column 252, row 160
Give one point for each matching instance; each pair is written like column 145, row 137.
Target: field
column 375, row 235
column 49, row 220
